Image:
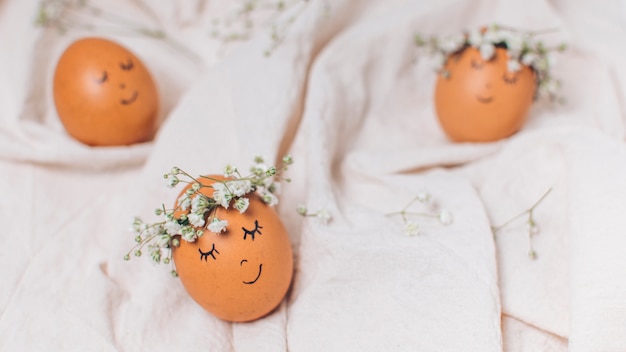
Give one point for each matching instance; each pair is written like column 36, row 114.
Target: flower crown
column 522, row 49
column 199, row 210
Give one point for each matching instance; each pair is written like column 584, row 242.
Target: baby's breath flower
column 196, row 219
column 486, row 51
column 217, row 225
column 324, row 216
column 412, row 228
column 242, row 204
column 269, row 198
column 513, row 66
column 423, row 197
column 302, row 210
column 138, row 225
column 199, row 204
column 184, row 202
column 173, row 228
column 170, row 180
column 188, row 234
column 445, row 217
column 287, row 160
column 259, row 159
column 475, row 38
column 175, row 171
column 229, row 170
column 240, row 187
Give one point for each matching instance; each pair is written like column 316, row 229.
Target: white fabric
column 350, row 97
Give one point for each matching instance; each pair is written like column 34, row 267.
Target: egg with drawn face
column 241, row 274
column 479, row 100
column 104, row 95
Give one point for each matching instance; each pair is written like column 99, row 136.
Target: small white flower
column 269, row 198
column 229, row 170
column 184, row 202
column 163, row 240
column 199, row 204
column 301, row 209
column 242, row 204
column 445, row 217
column 440, row 60
column 217, row 225
column 492, row 36
column 196, row 219
column 452, row 43
column 475, row 38
column 189, row 234
column 513, row 65
column 529, row 59
column 324, row 216
column 514, row 42
column 551, row 59
column 412, row 229
column 170, row 180
column 172, row 228
column 486, row 51
column 221, row 195
column 240, row 187
column 423, row 197
column 138, row 225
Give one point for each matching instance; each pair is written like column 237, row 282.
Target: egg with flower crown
column 240, row 266
column 104, row 95
column 488, row 81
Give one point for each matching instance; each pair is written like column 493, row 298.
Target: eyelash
column 509, row 80
column 128, row 66
column 105, row 77
column 476, row 65
column 206, row 255
column 247, row 232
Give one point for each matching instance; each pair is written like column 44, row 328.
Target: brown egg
column 104, row 95
column 243, row 273
column 481, row 101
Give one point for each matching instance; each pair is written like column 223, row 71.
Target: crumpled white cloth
column 350, row 97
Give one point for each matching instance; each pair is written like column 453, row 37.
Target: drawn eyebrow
column 477, row 65
column 127, row 66
column 508, row 80
column 206, row 255
column 104, row 78
column 256, row 230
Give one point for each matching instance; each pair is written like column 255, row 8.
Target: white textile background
column 350, row 97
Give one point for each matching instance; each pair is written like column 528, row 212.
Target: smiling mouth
column 484, row 100
column 131, row 99
column 257, row 277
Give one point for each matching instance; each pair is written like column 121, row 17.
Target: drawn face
column 481, row 100
column 241, row 274
column 104, row 95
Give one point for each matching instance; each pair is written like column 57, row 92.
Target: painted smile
column 258, row 275
column 131, row 99
column 483, row 100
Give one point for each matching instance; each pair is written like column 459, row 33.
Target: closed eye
column 477, row 65
column 127, row 66
column 103, row 78
column 211, row 253
column 253, row 232
column 508, row 80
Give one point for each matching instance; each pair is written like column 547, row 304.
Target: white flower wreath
column 522, row 48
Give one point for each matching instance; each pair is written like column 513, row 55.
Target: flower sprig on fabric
column 533, row 228
column 248, row 15
column 66, row 15
column 411, row 227
column 322, row 214
column 523, row 48
column 195, row 211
